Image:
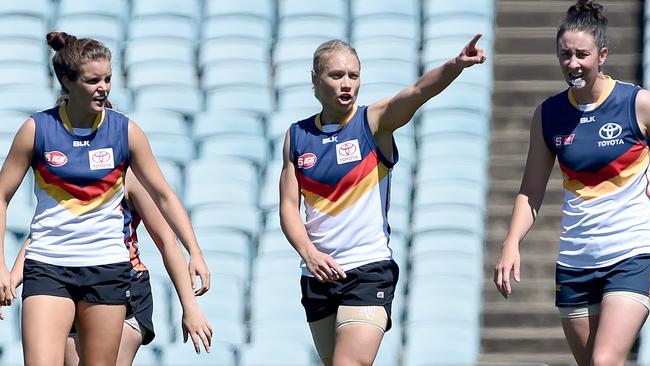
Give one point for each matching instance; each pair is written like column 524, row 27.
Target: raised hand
column 471, row 54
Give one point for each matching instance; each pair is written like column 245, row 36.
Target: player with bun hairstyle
column 339, row 162
column 598, row 130
column 77, row 268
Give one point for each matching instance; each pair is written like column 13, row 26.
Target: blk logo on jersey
column 307, row 160
column 55, row 158
column 80, row 143
column 609, row 133
column 588, row 119
column 101, row 159
column 562, row 140
column 348, row 151
column 327, row 140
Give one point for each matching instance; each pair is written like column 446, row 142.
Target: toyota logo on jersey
column 348, row 151
column 101, row 159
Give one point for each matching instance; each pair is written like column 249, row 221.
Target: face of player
column 580, row 59
column 337, row 86
column 89, row 93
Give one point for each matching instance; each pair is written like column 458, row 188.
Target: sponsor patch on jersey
column 348, row 151
column 101, row 159
column 55, row 158
column 307, row 160
column 561, row 140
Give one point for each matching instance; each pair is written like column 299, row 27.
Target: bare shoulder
column 642, row 107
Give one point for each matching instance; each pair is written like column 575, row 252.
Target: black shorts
column 370, row 284
column 105, row 284
column 141, row 306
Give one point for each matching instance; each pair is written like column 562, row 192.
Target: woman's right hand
column 323, row 267
column 7, row 290
column 508, row 264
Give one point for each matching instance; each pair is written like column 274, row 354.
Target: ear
column 602, row 55
column 66, row 82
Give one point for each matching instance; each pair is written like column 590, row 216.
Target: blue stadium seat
column 170, row 27
column 250, row 8
column 269, row 191
column 22, row 26
column 237, row 27
column 158, row 49
column 157, row 121
column 176, row 148
column 446, row 264
column 184, row 100
column 23, row 50
column 219, row 191
column 385, row 48
column 296, row 50
column 299, row 8
column 225, row 241
column 280, row 120
column 403, row 8
column 22, row 206
column 454, row 122
column 235, row 170
column 461, row 96
column 27, row 99
column 399, row 219
column 173, row 175
column 118, row 9
column 232, row 49
column 452, row 169
column 234, row 73
column 277, row 352
column 462, row 26
column 275, row 244
column 161, row 73
column 374, row 92
column 242, row 218
column 12, row 353
column 467, row 147
column 210, row 123
column 437, row 9
column 386, row 26
column 391, row 347
column 147, row 356
column 240, row 98
column 436, row 343
column 183, row 354
column 187, row 9
column 104, row 29
column 452, row 242
column 120, row 97
column 37, row 8
column 448, row 217
column 161, row 291
column 312, row 26
column 290, row 74
column 250, row 147
column 470, row 194
column 395, row 72
column 298, row 97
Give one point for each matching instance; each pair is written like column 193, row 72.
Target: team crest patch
column 307, row 160
column 55, row 158
column 101, row 159
column 348, row 151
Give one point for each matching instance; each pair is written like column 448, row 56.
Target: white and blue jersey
column 345, row 182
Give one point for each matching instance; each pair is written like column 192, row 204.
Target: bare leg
column 580, row 334
column 129, row 345
column 621, row 319
column 100, row 332
column 323, row 334
column 46, row 322
column 356, row 344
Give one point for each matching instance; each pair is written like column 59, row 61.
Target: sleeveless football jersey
column 345, row 184
column 79, row 186
column 604, row 160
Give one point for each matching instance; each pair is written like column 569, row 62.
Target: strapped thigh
column 373, row 315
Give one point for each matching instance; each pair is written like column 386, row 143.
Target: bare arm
column 148, row 173
column 539, row 164
column 321, row 265
column 643, row 111
column 13, row 171
column 387, row 115
column 19, row 265
column 194, row 321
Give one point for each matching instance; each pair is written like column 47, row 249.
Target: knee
column 605, row 358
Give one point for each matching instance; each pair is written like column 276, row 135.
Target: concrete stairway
column 526, row 327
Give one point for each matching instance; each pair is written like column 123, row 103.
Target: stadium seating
column 215, row 84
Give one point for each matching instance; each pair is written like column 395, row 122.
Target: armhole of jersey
column 292, row 142
column 125, row 141
column 38, row 141
column 545, row 137
column 634, row 124
column 371, row 140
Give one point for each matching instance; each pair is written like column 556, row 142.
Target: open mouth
column 576, row 80
column 345, row 98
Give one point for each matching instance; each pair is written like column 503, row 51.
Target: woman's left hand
column 471, row 54
column 196, row 326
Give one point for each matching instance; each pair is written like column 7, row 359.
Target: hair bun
column 58, row 40
column 588, row 7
